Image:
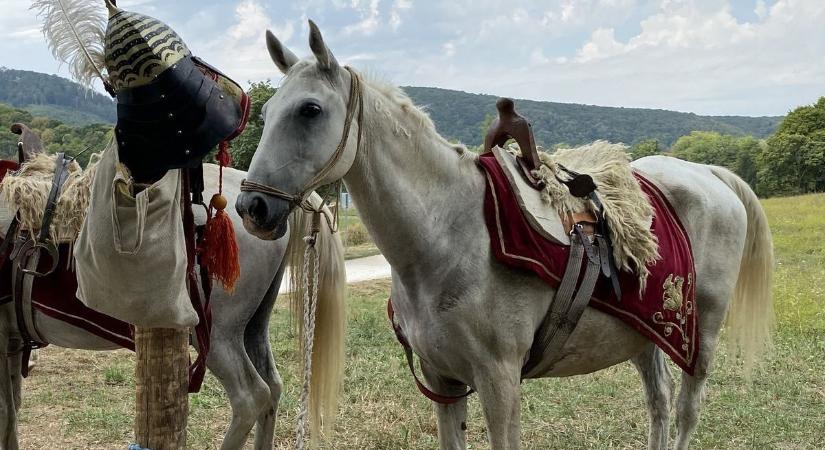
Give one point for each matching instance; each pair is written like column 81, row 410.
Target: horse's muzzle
column 264, row 216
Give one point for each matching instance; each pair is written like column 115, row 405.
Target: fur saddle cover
column 27, row 192
column 626, row 208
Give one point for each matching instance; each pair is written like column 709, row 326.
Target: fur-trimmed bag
column 130, row 255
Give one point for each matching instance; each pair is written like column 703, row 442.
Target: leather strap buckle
column 29, row 248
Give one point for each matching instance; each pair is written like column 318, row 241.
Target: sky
column 722, row 57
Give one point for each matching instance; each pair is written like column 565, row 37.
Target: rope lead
column 310, row 305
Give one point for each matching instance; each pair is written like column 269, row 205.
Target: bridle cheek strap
column 355, row 105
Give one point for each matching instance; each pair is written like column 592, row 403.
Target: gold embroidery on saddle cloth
column 673, row 295
column 673, row 300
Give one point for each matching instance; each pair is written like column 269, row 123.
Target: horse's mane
column 418, row 119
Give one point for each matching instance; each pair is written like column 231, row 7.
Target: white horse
column 469, row 318
column 240, row 356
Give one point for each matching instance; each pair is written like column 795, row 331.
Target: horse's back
column 698, row 196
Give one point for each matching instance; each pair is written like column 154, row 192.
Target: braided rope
column 310, row 304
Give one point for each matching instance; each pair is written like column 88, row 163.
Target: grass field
column 84, row 400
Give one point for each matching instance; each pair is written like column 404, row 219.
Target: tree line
column 24, row 88
column 56, row 136
column 790, row 161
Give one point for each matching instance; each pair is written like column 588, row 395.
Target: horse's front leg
column 499, row 392
column 452, row 418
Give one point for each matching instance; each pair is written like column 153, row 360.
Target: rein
column 355, row 105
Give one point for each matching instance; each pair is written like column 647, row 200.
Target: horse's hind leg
column 248, row 394
column 452, row 419
column 256, row 339
column 690, row 399
column 713, row 308
column 658, row 385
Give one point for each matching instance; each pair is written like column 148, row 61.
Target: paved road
column 360, row 269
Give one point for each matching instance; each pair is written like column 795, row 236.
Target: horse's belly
column 599, row 341
column 66, row 335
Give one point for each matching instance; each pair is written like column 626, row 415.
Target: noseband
column 355, row 105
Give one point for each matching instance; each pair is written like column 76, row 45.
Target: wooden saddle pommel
column 511, row 124
column 29, row 144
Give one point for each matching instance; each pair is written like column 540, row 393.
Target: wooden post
column 161, row 384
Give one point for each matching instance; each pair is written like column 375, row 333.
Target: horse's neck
column 420, row 200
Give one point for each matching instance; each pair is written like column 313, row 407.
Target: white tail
column 330, row 317
column 751, row 318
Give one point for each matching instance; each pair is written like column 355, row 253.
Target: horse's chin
column 267, row 235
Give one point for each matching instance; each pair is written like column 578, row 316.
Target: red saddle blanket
column 54, row 296
column 665, row 312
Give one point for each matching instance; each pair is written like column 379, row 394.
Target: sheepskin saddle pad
column 27, row 192
column 625, row 207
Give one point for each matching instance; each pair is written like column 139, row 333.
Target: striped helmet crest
column 139, row 48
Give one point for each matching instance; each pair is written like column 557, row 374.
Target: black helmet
column 172, row 108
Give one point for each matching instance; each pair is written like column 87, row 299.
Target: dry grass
column 84, row 400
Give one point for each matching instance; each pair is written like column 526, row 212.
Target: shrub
column 356, row 234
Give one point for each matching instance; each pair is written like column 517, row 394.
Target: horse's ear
column 281, row 55
column 316, row 42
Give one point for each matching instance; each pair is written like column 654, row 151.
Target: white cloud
column 602, row 44
column 694, row 55
column 20, row 23
column 449, row 49
column 761, row 9
column 369, row 22
column 398, row 7
column 241, row 51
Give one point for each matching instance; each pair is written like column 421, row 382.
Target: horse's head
column 310, row 136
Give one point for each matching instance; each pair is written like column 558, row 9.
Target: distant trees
column 22, row 88
column 794, row 160
column 56, row 136
column 459, row 115
column 739, row 154
column 244, row 146
column 790, row 162
column 647, row 147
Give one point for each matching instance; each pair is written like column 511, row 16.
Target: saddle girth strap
column 568, row 305
column 408, row 352
column 27, row 253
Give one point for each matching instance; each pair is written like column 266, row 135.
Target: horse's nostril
column 258, row 209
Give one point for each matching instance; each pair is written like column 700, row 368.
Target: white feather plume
column 74, row 31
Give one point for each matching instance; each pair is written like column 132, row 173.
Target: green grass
column 77, row 399
column 348, row 220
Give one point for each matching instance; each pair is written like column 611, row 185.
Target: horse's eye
column 310, row 110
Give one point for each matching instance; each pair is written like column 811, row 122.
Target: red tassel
column 220, row 254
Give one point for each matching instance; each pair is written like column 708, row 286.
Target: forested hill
column 460, row 115
column 54, row 97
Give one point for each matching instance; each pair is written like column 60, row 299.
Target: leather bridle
column 355, row 105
